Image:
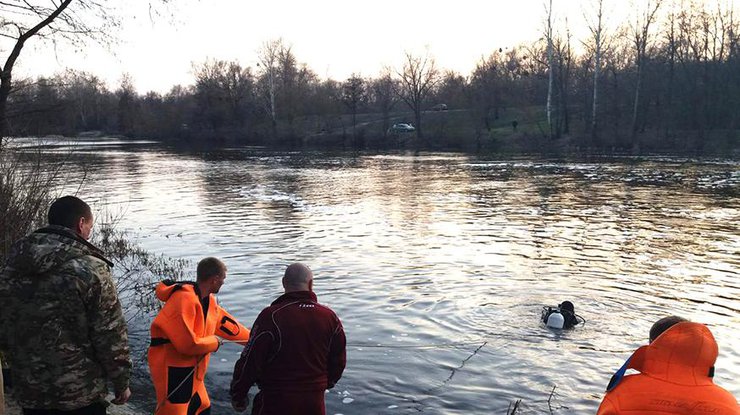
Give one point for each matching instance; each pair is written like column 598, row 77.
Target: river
column 439, row 264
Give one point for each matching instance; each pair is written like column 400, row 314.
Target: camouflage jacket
column 61, row 324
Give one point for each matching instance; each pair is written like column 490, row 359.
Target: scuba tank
column 555, row 320
column 561, row 317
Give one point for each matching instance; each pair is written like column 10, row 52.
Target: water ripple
column 415, row 250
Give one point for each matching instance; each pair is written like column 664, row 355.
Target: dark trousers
column 289, row 403
column 98, row 408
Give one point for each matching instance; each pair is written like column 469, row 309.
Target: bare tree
column 418, row 78
column 671, row 51
column 285, row 83
column 486, row 83
column 269, row 64
column 617, row 70
column 222, row 93
column 22, row 34
column 558, row 61
column 354, row 94
column 640, row 36
column 72, row 20
column 550, row 68
column 126, row 110
column 597, row 31
column 565, row 58
column 384, row 98
column 84, row 91
column 296, row 82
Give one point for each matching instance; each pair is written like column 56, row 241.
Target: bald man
column 296, row 352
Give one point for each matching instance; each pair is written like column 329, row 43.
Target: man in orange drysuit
column 183, row 337
column 675, row 377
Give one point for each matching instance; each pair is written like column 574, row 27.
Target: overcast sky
column 334, row 37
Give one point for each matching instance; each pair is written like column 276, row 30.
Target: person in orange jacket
column 183, row 337
column 676, row 371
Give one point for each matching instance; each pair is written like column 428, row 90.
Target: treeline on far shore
column 668, row 82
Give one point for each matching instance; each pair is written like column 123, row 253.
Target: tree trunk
column 550, row 68
column 354, row 128
column 4, row 93
column 273, row 110
column 642, row 31
column 597, row 73
column 7, row 70
column 636, row 104
column 386, row 122
column 595, row 102
column 417, row 119
column 669, row 123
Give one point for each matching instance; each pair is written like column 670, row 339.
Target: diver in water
column 562, row 317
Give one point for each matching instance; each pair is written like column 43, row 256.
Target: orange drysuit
column 675, row 377
column 183, row 337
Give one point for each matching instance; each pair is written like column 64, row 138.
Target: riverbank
column 12, row 408
column 512, row 131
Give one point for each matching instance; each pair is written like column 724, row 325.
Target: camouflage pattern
column 61, row 324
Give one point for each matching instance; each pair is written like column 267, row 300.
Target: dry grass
column 26, row 190
column 29, row 182
column 136, row 270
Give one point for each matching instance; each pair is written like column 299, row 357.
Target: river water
column 439, row 264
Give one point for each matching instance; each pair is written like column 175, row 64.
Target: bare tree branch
column 418, row 77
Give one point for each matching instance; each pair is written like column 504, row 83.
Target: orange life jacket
column 183, row 336
column 675, row 377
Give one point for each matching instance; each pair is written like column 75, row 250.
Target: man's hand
column 239, row 406
column 122, row 397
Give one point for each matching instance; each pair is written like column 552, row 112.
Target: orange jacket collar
column 166, row 288
column 683, row 354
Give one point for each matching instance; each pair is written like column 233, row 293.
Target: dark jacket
column 61, row 323
column 296, row 345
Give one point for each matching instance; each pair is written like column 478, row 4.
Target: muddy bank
column 12, row 408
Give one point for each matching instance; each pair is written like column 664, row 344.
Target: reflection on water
column 438, row 264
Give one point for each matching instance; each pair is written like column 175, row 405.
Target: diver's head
column 567, row 306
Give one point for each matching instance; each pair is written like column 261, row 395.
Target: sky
column 335, row 38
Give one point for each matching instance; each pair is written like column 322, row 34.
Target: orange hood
column 166, row 288
column 683, row 354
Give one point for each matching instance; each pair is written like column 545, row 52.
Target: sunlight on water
column 453, row 255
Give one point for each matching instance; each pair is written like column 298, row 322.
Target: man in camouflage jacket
column 61, row 324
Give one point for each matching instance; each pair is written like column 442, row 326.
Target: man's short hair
column 67, row 211
column 208, row 267
column 664, row 324
column 297, row 275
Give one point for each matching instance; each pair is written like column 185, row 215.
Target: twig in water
column 549, row 399
column 512, row 411
column 462, row 364
column 428, row 392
